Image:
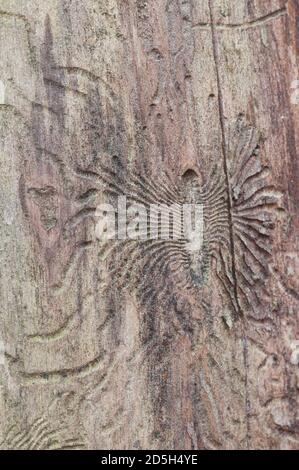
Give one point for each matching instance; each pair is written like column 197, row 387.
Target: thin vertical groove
column 221, row 115
column 231, row 232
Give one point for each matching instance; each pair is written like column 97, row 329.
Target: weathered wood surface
column 125, row 350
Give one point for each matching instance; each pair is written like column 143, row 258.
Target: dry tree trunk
column 136, row 344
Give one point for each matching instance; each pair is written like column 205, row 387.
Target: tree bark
column 137, row 344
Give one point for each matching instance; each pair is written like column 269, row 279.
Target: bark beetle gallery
column 143, row 343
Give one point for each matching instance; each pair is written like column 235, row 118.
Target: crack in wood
column 251, row 202
column 43, row 377
column 257, row 22
column 59, row 333
column 224, row 150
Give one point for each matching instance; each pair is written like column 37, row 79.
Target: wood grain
column 135, row 344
